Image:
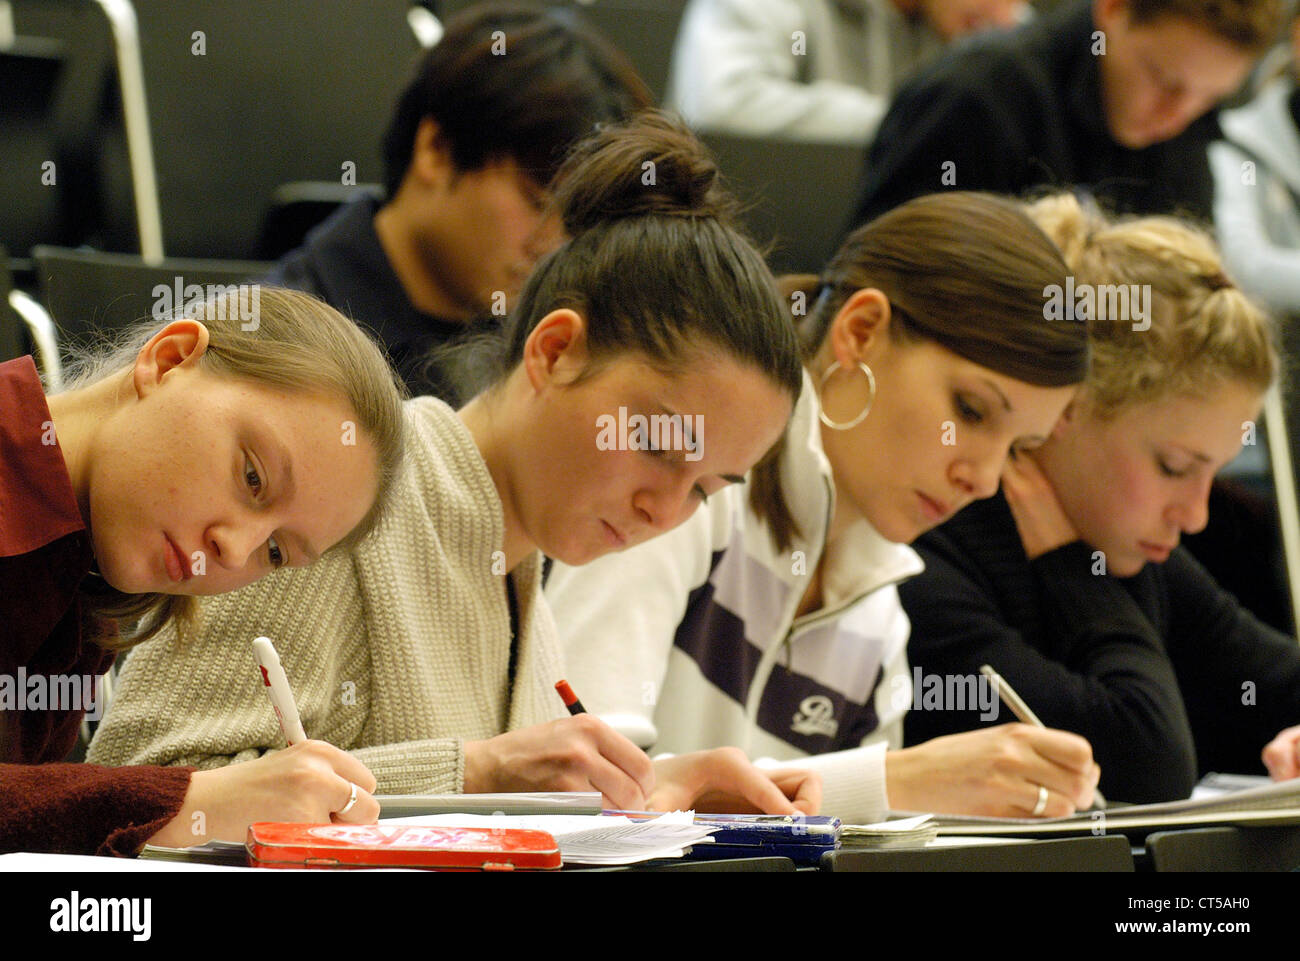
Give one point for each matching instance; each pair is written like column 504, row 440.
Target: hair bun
column 650, row 164
column 1067, row 222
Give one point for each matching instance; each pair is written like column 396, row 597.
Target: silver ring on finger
column 1039, row 808
column 352, row 799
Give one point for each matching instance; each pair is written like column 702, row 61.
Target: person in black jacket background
column 1112, row 95
column 1070, row 582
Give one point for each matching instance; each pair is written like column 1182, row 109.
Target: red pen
column 570, row 699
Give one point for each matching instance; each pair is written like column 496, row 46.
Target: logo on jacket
column 816, row 715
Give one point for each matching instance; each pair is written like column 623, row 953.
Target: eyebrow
column 1194, row 454
column 1005, row 403
column 270, row 444
column 306, row 549
column 285, row 488
column 690, row 437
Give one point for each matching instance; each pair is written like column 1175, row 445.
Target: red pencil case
column 441, row 848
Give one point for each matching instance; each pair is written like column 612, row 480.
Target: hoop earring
column 846, row 425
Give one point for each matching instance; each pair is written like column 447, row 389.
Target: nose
column 979, row 476
column 1174, row 113
column 233, row 543
column 1191, row 512
column 666, row 505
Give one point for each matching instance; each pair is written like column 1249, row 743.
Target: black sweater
column 1021, row 109
column 1164, row 673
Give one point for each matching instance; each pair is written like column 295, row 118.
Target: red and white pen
column 277, row 689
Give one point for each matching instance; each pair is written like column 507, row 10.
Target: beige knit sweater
column 395, row 651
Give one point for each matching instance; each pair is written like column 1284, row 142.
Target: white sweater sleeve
column 854, row 786
column 735, row 70
column 617, row 618
column 853, row 781
column 1262, row 268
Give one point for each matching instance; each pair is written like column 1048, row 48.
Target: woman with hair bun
column 428, row 651
column 1071, row 582
column 771, row 620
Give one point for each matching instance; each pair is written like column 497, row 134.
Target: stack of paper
column 1217, row 785
column 899, row 833
column 534, row 802
column 592, row 839
column 1273, row 803
column 211, row 852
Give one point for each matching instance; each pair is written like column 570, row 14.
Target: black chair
column 797, row 194
column 244, row 97
column 90, row 294
column 15, row 340
column 771, row 865
column 1111, row 853
column 62, row 103
column 296, row 208
column 1226, row 849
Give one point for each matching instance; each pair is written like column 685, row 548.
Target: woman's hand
column 994, row 772
column 724, row 781
column 310, row 782
column 1039, row 516
column 1282, row 755
column 578, row 753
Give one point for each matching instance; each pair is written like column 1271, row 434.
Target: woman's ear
column 178, row 346
column 1069, row 419
column 555, row 353
column 861, row 328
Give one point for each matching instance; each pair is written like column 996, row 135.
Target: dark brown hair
column 510, row 80
column 655, row 263
column 967, row 271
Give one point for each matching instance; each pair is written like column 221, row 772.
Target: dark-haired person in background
column 1113, row 95
column 473, row 144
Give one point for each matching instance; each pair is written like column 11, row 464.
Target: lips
column 174, row 560
column 616, row 539
column 934, row 511
column 1156, row 552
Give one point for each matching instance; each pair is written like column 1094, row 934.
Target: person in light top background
column 822, row 70
column 1257, row 189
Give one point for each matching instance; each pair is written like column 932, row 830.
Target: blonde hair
column 1204, row 331
column 292, row 342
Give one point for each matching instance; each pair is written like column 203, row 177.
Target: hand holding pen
column 1007, row 694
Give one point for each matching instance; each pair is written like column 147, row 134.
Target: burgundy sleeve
column 87, row 808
